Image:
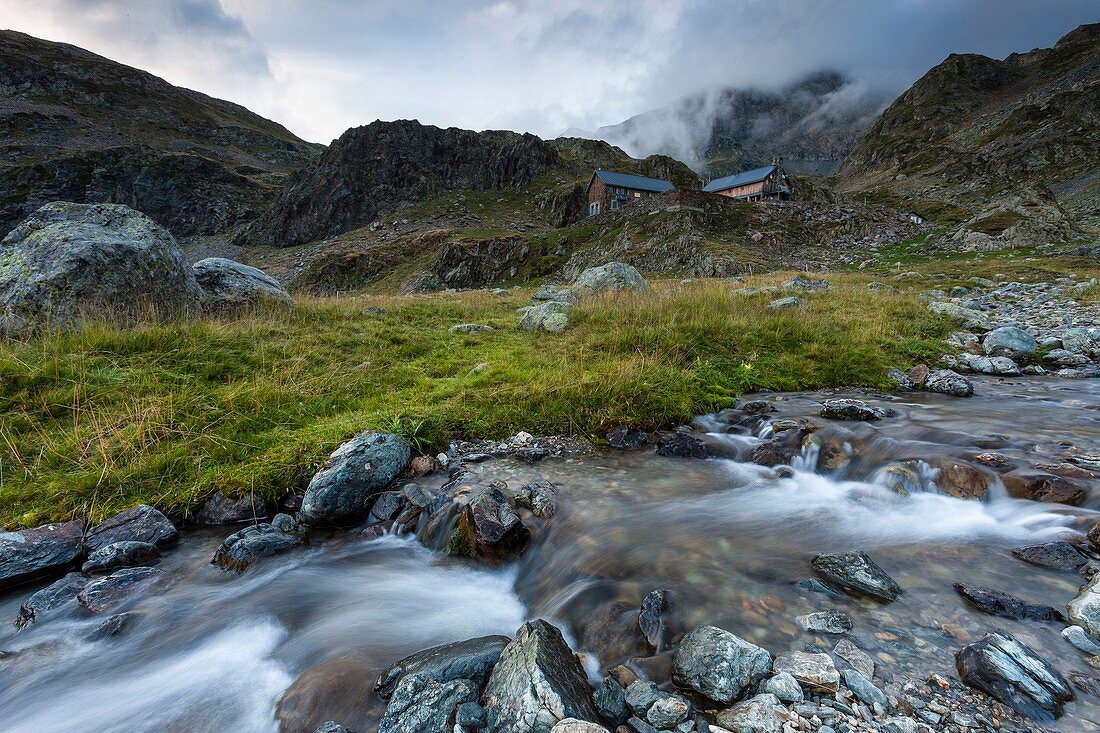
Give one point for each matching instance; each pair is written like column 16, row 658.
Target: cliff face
column 78, row 127
column 386, row 164
column 995, row 139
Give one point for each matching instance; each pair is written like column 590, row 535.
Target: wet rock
column 1012, row 673
column 650, row 617
column 471, row 659
column 641, row 695
column 668, row 712
column 612, row 276
column 998, row 603
column 387, row 505
column 902, row 381
column 540, row 497
column 637, row 725
column 788, row 303
column 760, row 714
column 1058, row 554
column 121, row 555
column 856, row 572
column 1076, row 635
column 330, row 726
column 111, row 591
column 815, row 672
column 552, row 316
column 623, row 438
column 681, row 445
column 1086, row 684
column 1084, row 609
column 945, row 381
column 141, row 523
column 340, row 493
column 610, row 701
column 1011, row 342
column 470, row 715
column 243, row 548
column 612, row 632
column 1039, row 486
column 284, row 523
column 786, row 443
column 338, row 689
column 864, row 689
column 112, row 626
column 59, row 593
column 718, row 665
column 219, row 509
column 785, row 687
column 825, row 622
column 856, row 657
column 229, row 285
column 489, row 527
column 422, row 705
column 960, row 479
column 572, row 725
column 848, row 409
column 537, row 683
column 31, row 554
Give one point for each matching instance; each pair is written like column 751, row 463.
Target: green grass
column 92, row 421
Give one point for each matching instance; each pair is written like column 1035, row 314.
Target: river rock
column 1084, row 609
column 219, row 509
column 651, row 617
column 537, row 683
column 785, row 687
column 623, row 438
column 229, row 285
column 864, row 689
column 1011, row 672
column 825, row 622
column 668, row 712
column 853, row 655
column 111, row 591
column 718, row 665
column 572, row 725
column 339, row 689
column 488, row 527
column 759, row 714
column 471, row 659
column 681, row 445
column 243, row 548
column 340, row 493
column 849, row 409
column 68, row 261
column 815, row 672
column 788, row 303
column 141, row 523
column 1079, row 638
column 59, row 593
column 998, row 603
column 856, row 572
column 945, row 381
column 641, row 695
column 121, row 555
column 387, row 505
column 1058, row 554
column 31, row 554
column 552, row 316
column 539, row 497
column 610, row 701
column 1009, row 341
column 960, row 479
column 420, row 704
column 612, row 276
column 1047, row 487
column 331, row 726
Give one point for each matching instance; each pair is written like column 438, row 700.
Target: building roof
column 637, row 183
column 743, row 178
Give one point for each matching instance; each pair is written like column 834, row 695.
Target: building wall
column 747, row 190
column 604, row 194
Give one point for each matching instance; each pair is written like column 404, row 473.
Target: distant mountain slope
column 813, row 124
column 79, row 127
column 981, row 142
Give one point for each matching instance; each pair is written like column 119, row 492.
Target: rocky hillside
column 1004, row 150
column 813, row 124
column 78, row 127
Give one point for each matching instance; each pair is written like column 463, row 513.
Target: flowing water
column 730, row 539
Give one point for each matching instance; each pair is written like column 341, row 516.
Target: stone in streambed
column 242, row 549
column 111, row 591
column 945, row 381
column 1076, row 635
column 849, row 409
column 785, row 687
column 668, row 712
column 330, row 726
column 1084, row 609
column 815, row 672
column 1058, row 554
column 718, row 665
column 422, row 705
column 650, row 617
column 572, row 725
column 998, row 603
column 1009, row 341
column 610, row 701
column 864, row 689
column 1014, row 674
column 338, row 689
column 759, row 714
column 681, row 445
column 340, row 493
column 858, row 573
column 59, row 593
column 540, row 497
column 489, row 527
column 40, row 552
column 853, row 655
column 141, row 523
column 641, row 695
column 121, row 555
column 623, row 438
column 1046, row 487
column 825, row 622
column 471, row 659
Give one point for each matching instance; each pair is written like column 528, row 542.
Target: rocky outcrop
column 381, row 165
column 537, row 683
column 471, row 659
column 229, row 285
column 718, row 665
column 68, row 261
column 1011, row 672
column 140, row 523
column 340, row 493
column 40, row 552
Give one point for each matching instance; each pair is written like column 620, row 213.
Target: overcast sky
column 321, row 66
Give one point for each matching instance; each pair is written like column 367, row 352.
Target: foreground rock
column 472, row 659
column 121, row 555
column 551, row 316
column 1040, row 486
column 111, row 591
column 59, row 593
column 422, row 705
column 1058, row 554
column 1010, row 341
column 998, row 603
column 945, row 381
column 537, row 683
column 141, row 523
column 1012, row 673
column 848, row 409
column 69, row 261
column 340, row 493
column 858, row 573
column 814, row 672
column 229, row 285
column 242, row 549
column 759, row 714
column 718, row 665
column 612, row 276
column 490, row 528
column 1084, row 609
column 37, row 553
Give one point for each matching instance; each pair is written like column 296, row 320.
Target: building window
column 594, row 208
column 637, row 194
column 614, row 204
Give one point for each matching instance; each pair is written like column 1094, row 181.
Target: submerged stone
column 858, row 573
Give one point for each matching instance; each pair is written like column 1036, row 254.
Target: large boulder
column 341, row 492
column 243, row 548
column 121, row 555
column 718, row 665
column 1010, row 341
column 1084, row 609
column 422, row 705
column 537, row 683
column 1011, row 672
column 59, row 593
column 612, row 276
column 552, row 316
column 39, row 553
column 112, row 591
column 471, row 659
column 68, row 261
column 141, row 523
column 227, row 285
column 858, row 573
